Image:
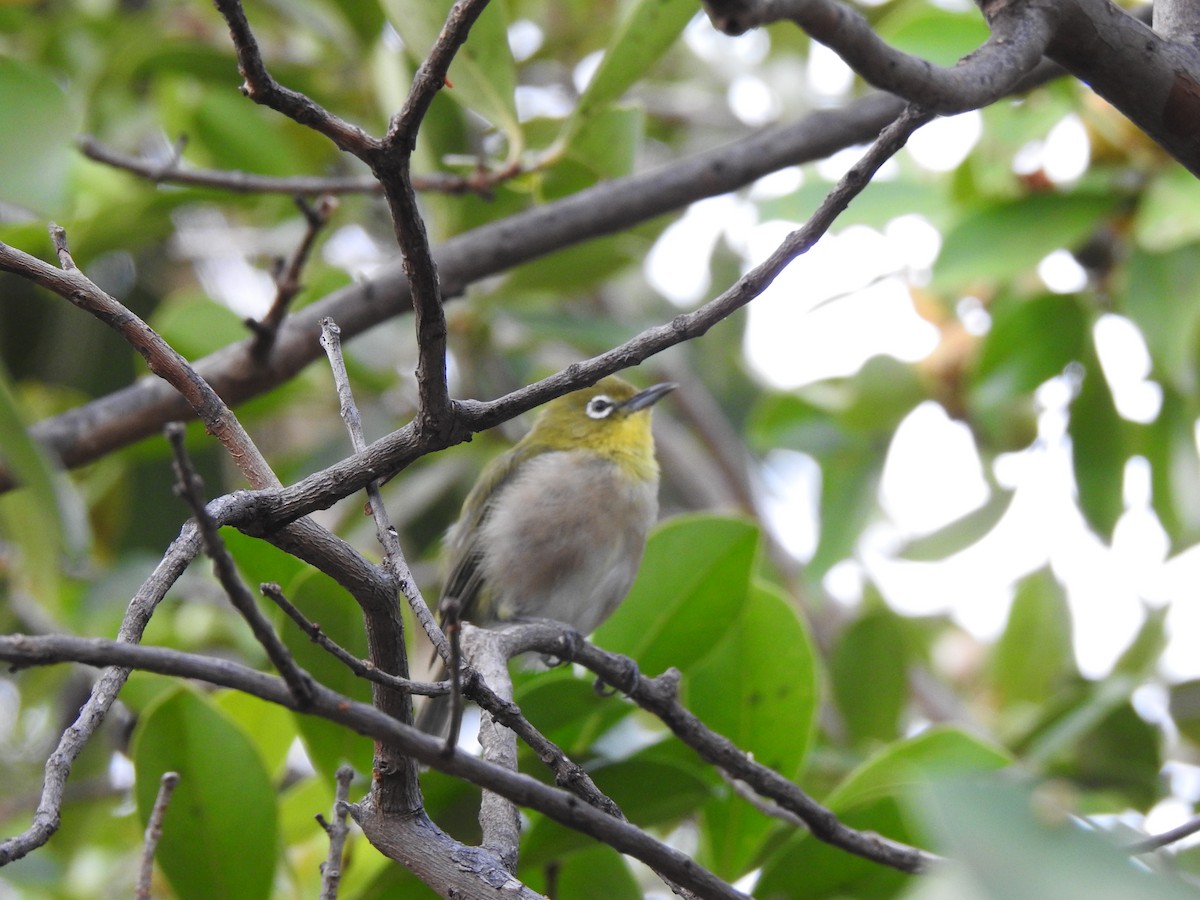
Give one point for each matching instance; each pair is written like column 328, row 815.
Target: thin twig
column 359, row 667
column 331, row 869
column 287, row 279
column 1158, row 841
column 23, row 650
column 394, row 560
column 190, row 488
column 481, row 181
column 47, row 817
column 154, row 830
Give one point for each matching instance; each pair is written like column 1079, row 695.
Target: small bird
column 555, row 528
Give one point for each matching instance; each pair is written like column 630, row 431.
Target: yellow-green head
column 610, row 419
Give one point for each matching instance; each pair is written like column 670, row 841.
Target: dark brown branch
column 190, row 488
column 331, row 869
column 260, row 87
column 359, row 667
column 287, row 279
column 480, row 181
column 275, row 508
column 1020, row 35
column 47, row 817
column 660, row 696
column 21, row 650
column 140, row 410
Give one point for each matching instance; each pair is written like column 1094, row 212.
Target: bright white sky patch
column 827, row 74
column 945, row 142
column 1062, row 273
column 832, row 309
column 525, row 38
column 1126, row 363
column 752, row 100
column 932, row 475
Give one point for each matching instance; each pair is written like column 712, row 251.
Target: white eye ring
column 600, row 407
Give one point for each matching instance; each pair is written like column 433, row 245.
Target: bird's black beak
column 648, row 397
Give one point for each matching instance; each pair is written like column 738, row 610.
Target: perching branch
column 22, row 650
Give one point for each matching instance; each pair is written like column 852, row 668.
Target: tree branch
column 1020, row 35
column 22, row 650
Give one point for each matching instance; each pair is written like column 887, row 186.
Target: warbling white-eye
column 555, row 527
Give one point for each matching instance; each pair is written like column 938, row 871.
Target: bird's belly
column 566, row 540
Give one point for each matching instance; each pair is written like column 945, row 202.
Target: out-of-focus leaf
column 929, row 756
column 45, row 519
column 1099, row 449
column 1034, row 654
column 483, row 75
column 938, row 35
column 1160, row 292
column 869, row 671
column 680, row 786
column 210, row 846
column 1141, row 657
column 597, row 873
column 1094, row 737
column 567, row 709
column 961, row 533
column 870, row 799
column 324, row 602
column 692, row 583
column 1169, row 444
column 1167, row 217
column 648, row 29
column 268, row 725
column 1006, row 239
column 37, row 124
column 984, row 825
column 759, row 689
column 881, row 202
column 1185, row 708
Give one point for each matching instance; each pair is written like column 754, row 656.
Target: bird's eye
column 600, row 407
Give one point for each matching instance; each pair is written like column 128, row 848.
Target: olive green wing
column 463, row 581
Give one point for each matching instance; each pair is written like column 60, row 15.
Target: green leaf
column 37, row 124
column 692, row 583
column 1034, row 656
column 597, row 873
column 938, row 35
column 45, row 519
column 1169, row 444
column 483, row 76
column 1168, row 214
column 1099, row 449
column 269, row 726
column 330, row 606
column 649, row 28
column 1160, row 292
column 869, row 672
column 961, row 533
column 986, row 825
column 679, row 787
column 1185, row 709
column 929, row 756
column 1001, row 241
column 881, row 202
column 219, row 834
column 870, row 800
column 759, row 688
